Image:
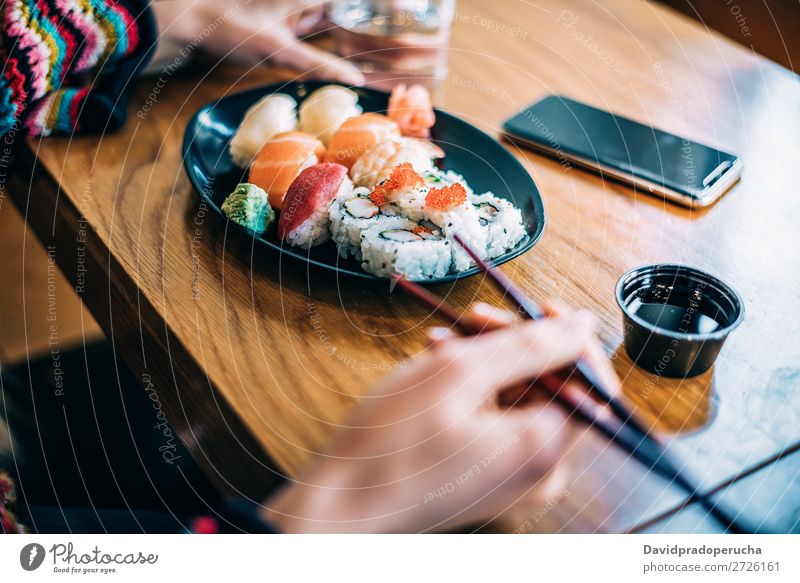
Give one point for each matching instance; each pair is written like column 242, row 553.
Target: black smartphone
column 655, row 161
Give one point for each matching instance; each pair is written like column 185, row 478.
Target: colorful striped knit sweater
column 67, row 65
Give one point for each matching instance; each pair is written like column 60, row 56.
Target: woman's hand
column 251, row 32
column 430, row 448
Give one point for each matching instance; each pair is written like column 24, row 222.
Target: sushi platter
column 361, row 182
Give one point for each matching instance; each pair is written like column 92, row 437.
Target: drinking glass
column 394, row 41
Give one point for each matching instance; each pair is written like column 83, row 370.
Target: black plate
column 482, row 160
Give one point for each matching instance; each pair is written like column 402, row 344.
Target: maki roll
column 501, row 220
column 438, row 178
column 415, row 251
column 305, row 215
column 451, row 210
column 352, row 214
column 248, row 206
column 402, row 193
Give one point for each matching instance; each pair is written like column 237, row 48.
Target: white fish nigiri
column 274, row 114
column 326, row 109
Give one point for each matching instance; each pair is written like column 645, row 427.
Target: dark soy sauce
column 678, row 309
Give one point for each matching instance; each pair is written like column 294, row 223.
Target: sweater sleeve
column 68, row 65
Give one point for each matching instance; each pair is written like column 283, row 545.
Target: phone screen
column 565, row 127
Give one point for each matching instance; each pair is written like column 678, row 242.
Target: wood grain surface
column 252, row 355
column 32, row 288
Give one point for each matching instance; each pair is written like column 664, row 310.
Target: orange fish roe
column 446, row 197
column 403, row 176
column 380, row 195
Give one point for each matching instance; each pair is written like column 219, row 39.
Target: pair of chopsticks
column 627, row 432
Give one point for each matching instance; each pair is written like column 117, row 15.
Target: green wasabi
column 248, row 205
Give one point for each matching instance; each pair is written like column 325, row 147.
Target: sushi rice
column 415, row 251
column 501, row 220
column 436, row 178
column 465, row 222
column 405, row 236
column 352, row 214
column 316, row 229
column 313, row 231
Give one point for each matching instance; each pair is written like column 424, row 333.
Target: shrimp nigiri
column 357, row 135
column 280, row 161
column 377, row 163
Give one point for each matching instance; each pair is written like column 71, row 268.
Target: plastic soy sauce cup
column 676, row 318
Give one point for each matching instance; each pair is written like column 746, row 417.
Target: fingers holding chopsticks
column 481, row 315
column 516, row 353
column 596, row 355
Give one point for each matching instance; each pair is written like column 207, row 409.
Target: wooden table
column 255, row 360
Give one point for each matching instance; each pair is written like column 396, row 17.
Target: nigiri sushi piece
column 271, row 115
column 324, row 111
column 411, row 108
column 280, row 161
column 359, row 134
column 304, row 220
column 377, row 163
column 249, row 207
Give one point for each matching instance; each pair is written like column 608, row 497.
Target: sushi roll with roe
column 402, row 193
column 502, row 222
column 304, row 220
column 413, row 250
column 449, row 207
column 352, row 214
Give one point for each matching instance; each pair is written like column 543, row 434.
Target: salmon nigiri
column 280, row 160
column 357, row 135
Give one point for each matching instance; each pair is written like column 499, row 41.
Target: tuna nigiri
column 357, row 135
column 305, row 216
column 280, row 160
